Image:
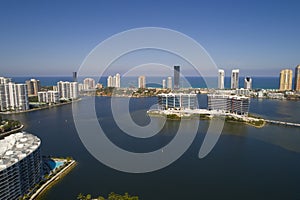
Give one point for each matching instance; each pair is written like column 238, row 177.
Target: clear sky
column 53, row 37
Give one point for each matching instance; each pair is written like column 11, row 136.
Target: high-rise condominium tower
column 297, row 78
column 235, row 78
column 33, row 87
column 169, row 83
column 88, row 84
column 176, row 77
column 286, row 79
column 142, row 82
column 164, row 83
column 221, row 78
column 248, row 83
column 74, row 76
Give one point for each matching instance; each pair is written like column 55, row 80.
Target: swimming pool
column 55, row 164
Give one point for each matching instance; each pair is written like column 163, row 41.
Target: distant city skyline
column 53, row 38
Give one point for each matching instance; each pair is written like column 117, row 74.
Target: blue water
column 195, row 82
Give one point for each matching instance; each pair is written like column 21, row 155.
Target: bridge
column 282, row 123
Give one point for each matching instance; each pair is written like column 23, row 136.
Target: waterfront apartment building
column 248, row 83
column 142, row 82
column 48, row 96
column 169, row 83
column 177, row 101
column 88, row 84
column 297, row 78
column 235, row 78
column 114, row 81
column 33, row 87
column 13, row 97
column 67, row 90
column 4, row 80
column 286, row 79
column 221, row 78
column 20, row 165
column 228, row 103
column 176, row 77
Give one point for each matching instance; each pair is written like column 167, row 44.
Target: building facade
column 67, row 90
column 228, row 103
column 13, row 97
column 48, row 96
column 164, row 86
column 88, row 84
column 248, row 83
column 177, row 101
column 297, row 78
column 235, row 78
column 33, row 87
column 169, row 83
column 142, row 82
column 176, row 77
column 221, row 78
column 286, row 80
column 20, row 165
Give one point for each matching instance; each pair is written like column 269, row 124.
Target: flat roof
column 15, row 147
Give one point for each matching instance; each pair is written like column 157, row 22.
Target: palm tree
column 81, row 197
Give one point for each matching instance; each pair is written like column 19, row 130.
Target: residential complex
column 176, row 77
column 286, row 79
column 20, row 165
column 48, row 96
column 178, row 101
column 229, row 103
column 235, row 79
column 13, row 97
column 114, row 81
column 297, row 78
column 33, row 87
column 88, row 84
column 142, row 82
column 221, row 79
column 67, row 90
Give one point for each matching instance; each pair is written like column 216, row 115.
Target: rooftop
column 15, row 147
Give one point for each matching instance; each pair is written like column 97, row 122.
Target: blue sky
column 53, row 37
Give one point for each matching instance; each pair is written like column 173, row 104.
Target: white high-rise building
column 248, row 83
column 235, row 79
column 118, row 80
column 88, row 84
column 4, row 80
column 48, row 96
column 221, row 78
column 109, row 81
column 169, row 83
column 142, row 82
column 13, row 96
column 67, row 90
column 164, row 83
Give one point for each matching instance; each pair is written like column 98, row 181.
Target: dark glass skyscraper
column 74, row 76
column 176, row 77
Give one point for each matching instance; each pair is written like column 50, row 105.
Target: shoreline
column 42, row 108
column 11, row 131
column 48, row 184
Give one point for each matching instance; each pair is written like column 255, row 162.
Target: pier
column 282, row 123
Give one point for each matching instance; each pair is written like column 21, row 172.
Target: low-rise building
column 178, row 101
